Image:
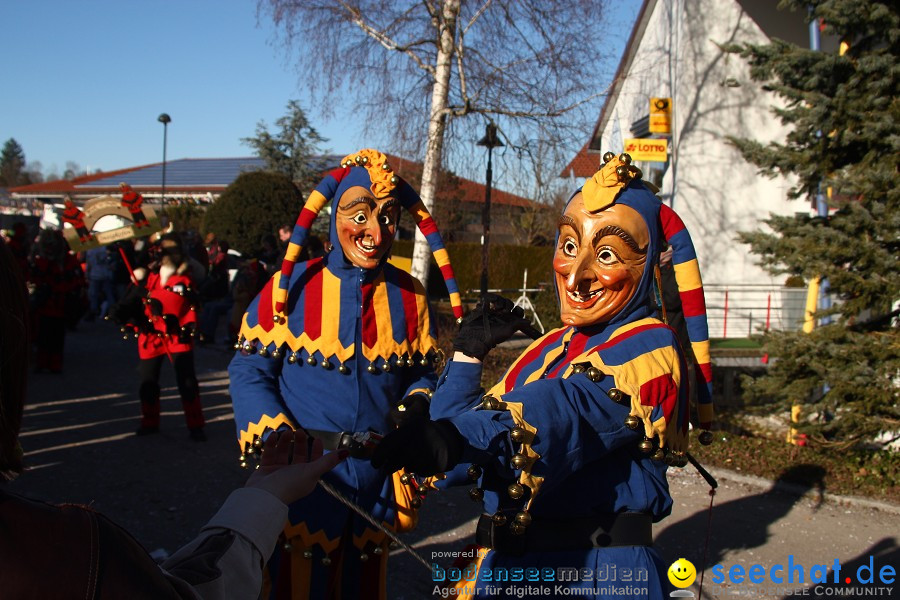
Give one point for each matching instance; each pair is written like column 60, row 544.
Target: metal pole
column 486, row 224
column 165, row 136
column 165, row 119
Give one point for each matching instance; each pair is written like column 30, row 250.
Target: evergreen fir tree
column 844, row 143
column 293, row 149
column 12, row 164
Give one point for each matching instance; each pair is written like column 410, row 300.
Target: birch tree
column 416, row 67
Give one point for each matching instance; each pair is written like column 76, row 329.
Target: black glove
column 421, row 446
column 130, row 308
column 494, row 320
column 410, row 408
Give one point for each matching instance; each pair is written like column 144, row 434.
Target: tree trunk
column 437, row 125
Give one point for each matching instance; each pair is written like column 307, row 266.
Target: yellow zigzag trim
column 257, row 429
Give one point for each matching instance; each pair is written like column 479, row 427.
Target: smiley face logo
column 682, row 573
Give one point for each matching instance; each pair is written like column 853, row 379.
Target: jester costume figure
column 161, row 308
column 342, row 346
column 133, row 201
column 569, row 450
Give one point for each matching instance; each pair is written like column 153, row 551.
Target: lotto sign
column 660, row 115
column 652, row 150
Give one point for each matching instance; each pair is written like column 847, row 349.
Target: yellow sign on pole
column 660, row 115
column 653, row 150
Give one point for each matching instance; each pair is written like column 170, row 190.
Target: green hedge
column 505, row 269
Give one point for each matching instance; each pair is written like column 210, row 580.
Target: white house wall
column 708, row 183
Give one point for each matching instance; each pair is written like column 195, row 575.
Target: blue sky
column 85, row 80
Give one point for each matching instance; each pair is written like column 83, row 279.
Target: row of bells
column 516, row 490
column 159, row 334
column 294, row 358
column 326, row 561
column 362, row 161
column 418, row 491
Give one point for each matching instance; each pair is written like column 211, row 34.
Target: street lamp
column 165, row 120
column 490, row 141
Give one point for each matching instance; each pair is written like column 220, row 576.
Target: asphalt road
column 80, row 448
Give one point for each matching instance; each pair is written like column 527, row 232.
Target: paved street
column 80, row 448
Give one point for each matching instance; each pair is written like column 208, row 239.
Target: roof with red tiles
column 585, row 164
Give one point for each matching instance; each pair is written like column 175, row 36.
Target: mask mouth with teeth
column 365, row 226
column 599, row 261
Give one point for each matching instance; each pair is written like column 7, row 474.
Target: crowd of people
column 568, row 451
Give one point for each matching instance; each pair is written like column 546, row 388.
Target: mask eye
column 570, row 248
column 359, row 218
column 606, row 257
column 386, row 220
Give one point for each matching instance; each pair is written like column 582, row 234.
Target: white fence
column 739, row 310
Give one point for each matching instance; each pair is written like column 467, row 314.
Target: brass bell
column 523, row 518
column 248, row 348
column 636, row 173
column 363, row 557
column 490, row 403
column 326, row 561
column 608, row 156
column 287, row 546
column 660, row 454
column 343, row 369
column 429, row 393
column 632, row 422
column 257, row 443
column 680, row 459
column 365, row 160
column 424, row 361
column 622, row 172
column 516, row 491
column 671, row 459
column 378, row 551
column 594, row 374
column 416, row 502
column 264, row 352
column 359, row 160
column 705, row 438
column 237, row 345
column 372, row 368
column 517, row 434
column 395, row 180
column 243, row 464
column 278, row 319
column 625, row 158
column 646, row 445
column 476, row 494
column 276, row 353
column 518, row 461
column 311, row 360
column 385, row 167
column 499, row 519
column 474, row 472
column 307, row 554
column 410, row 362
column 292, row 358
column 124, row 337
column 615, row 394
column 405, row 478
column 577, row 369
column 386, row 367
column 517, row 528
column 326, row 364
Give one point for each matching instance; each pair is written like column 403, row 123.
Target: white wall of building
column 708, row 183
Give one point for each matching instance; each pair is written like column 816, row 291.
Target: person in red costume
column 75, row 217
column 55, row 282
column 133, row 201
column 162, row 309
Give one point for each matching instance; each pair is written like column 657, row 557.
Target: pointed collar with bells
column 396, row 326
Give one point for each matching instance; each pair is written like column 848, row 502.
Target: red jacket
column 172, row 314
